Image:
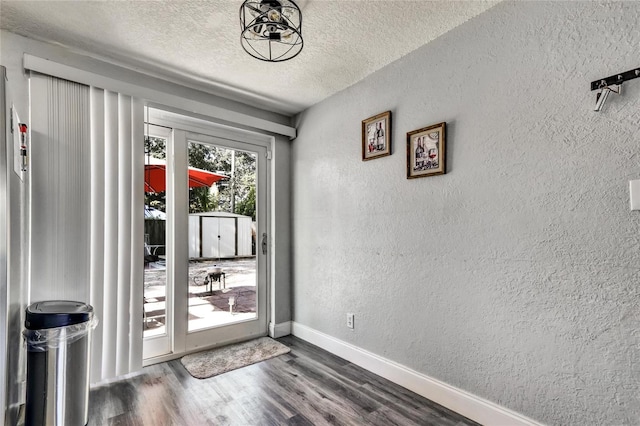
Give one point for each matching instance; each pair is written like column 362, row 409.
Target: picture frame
column 426, row 151
column 376, row 136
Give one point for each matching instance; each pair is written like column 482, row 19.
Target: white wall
column 280, row 231
column 516, row 275
column 17, row 95
column 4, row 234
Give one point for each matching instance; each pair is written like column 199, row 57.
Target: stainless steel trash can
column 58, row 336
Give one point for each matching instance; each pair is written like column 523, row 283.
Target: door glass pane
column 155, row 272
column 222, row 236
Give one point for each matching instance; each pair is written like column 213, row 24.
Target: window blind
column 86, row 214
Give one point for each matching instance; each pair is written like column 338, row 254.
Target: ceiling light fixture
column 271, row 29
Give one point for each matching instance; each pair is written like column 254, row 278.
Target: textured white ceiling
column 198, row 42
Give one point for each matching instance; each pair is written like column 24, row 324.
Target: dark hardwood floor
column 307, row 386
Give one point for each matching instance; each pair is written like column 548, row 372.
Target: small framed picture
column 376, row 136
column 426, row 151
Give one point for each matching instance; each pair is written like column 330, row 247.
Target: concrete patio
column 206, row 308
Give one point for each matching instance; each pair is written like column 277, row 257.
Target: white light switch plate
column 634, row 194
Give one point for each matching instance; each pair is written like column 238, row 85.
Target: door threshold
column 176, row 355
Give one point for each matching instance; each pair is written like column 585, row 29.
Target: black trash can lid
column 56, row 313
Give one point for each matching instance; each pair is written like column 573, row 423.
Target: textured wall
column 515, row 276
column 281, row 231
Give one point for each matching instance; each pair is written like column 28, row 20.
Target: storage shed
column 219, row 234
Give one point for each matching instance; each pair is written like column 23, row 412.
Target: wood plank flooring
column 307, row 386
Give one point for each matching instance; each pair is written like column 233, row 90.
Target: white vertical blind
column 59, row 167
column 87, row 212
column 98, row 191
column 137, row 234
column 117, row 232
column 125, row 192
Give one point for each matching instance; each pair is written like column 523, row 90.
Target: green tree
column 247, row 206
column 235, row 194
column 239, row 166
column 213, row 159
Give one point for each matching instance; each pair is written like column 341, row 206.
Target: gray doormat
column 205, row 364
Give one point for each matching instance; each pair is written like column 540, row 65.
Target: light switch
column 634, row 194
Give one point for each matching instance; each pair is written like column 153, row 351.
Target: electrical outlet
column 350, row 321
column 634, row 194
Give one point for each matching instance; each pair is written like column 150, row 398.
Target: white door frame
column 188, row 128
column 160, row 345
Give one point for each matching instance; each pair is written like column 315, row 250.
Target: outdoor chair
column 148, row 257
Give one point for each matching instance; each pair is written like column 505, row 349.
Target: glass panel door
column 157, row 327
column 206, row 221
column 226, row 218
column 222, row 264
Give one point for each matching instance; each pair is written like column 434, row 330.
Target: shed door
column 218, row 237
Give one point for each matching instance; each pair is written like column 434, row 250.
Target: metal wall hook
column 611, row 84
column 603, row 94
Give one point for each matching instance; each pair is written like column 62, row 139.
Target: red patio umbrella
column 155, row 179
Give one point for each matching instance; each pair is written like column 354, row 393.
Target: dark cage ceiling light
column 271, row 29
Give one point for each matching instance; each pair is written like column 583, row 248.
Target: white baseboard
column 473, row 407
column 279, row 330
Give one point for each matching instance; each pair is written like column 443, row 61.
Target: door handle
column 264, row 243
